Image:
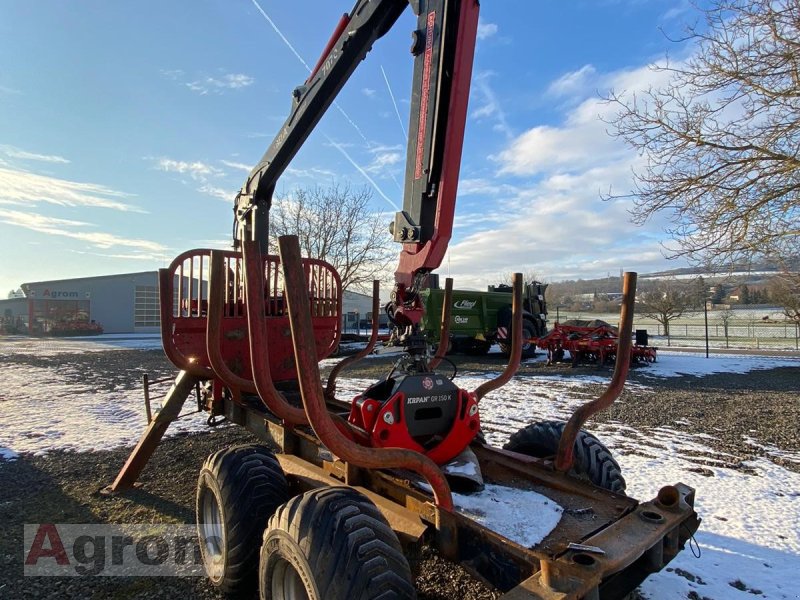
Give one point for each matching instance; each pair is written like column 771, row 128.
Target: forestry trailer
column 342, row 494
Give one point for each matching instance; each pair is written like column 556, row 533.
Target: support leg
column 173, row 403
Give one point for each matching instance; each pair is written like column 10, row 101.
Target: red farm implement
column 342, row 494
column 590, row 342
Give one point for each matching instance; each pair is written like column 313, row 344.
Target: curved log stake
column 176, row 357
column 313, row 398
column 330, row 389
column 216, row 300
column 565, row 457
column 444, row 328
column 516, row 346
column 259, row 340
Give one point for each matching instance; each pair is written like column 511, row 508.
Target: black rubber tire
column 333, row 544
column 528, row 331
column 244, row 485
column 477, row 348
column 593, row 460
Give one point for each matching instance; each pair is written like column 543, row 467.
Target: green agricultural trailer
column 480, row 319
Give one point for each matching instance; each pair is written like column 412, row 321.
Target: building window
column 145, row 307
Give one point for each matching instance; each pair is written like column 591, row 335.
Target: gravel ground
column 64, row 487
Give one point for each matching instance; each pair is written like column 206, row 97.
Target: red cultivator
column 589, row 342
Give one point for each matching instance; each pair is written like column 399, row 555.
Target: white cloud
column 197, row 170
column 173, row 74
column 237, row 165
column 29, row 189
column 75, row 230
column 383, row 158
column 485, row 187
column 313, row 172
column 13, row 152
column 573, row 82
column 144, row 256
column 207, row 84
column 581, row 140
column 218, row 85
column 489, row 108
column 550, row 215
column 368, row 92
column 486, row 30
column 222, row 194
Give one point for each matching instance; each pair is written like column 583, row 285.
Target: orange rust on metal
column 310, row 476
column 516, row 351
column 313, row 397
column 565, row 454
column 216, row 301
column 642, row 530
column 259, row 342
column 176, row 397
column 533, row 588
column 444, row 329
column 330, row 390
column 176, row 357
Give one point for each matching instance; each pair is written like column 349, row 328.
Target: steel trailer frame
column 605, row 556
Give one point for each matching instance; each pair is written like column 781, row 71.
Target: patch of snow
column 676, row 364
column 7, row 454
column 58, row 408
column 508, row 511
column 80, row 345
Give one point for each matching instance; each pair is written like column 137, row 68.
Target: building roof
column 26, row 286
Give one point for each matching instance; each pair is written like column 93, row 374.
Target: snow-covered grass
column 96, row 343
column 674, row 364
column 749, row 538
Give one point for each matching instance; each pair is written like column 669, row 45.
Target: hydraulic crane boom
column 443, row 46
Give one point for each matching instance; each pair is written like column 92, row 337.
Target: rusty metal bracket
column 330, row 389
column 259, row 340
column 313, row 397
column 516, row 347
column 565, row 456
column 444, row 328
column 216, row 301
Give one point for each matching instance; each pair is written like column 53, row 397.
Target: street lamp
column 705, row 317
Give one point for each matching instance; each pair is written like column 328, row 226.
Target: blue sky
column 126, row 129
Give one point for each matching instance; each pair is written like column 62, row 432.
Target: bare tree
column 336, row 224
column 725, row 316
column 785, row 291
column 666, row 301
column 720, row 140
column 528, row 276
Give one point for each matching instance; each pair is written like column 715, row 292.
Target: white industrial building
column 123, row 303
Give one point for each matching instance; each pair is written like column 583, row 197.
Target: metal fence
column 730, row 334
column 745, row 329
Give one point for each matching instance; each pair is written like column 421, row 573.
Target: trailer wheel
column 528, row 348
column 477, row 348
column 238, row 490
column 593, row 460
column 331, row 543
